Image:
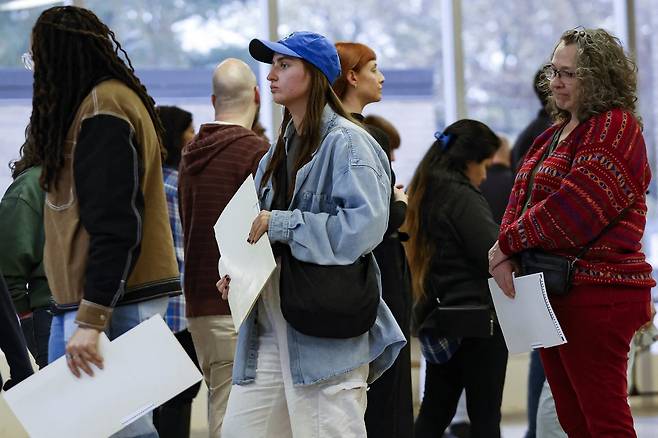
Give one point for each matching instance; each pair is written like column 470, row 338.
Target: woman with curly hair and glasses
column 583, row 185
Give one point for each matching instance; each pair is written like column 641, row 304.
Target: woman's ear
column 351, row 78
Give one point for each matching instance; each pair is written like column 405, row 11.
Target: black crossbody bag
column 465, row 321
column 558, row 270
column 327, row 301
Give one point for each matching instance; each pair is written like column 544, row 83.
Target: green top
column 22, row 237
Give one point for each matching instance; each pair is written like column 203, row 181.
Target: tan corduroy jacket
column 108, row 238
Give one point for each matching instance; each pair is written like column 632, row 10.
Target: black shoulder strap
column 280, row 179
column 607, row 228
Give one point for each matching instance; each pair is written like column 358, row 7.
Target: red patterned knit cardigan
column 597, row 171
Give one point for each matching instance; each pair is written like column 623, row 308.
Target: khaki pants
column 214, row 341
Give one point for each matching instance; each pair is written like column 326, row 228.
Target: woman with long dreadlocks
column 109, row 256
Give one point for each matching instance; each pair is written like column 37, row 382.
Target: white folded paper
column 249, row 266
column 143, row 368
column 527, row 320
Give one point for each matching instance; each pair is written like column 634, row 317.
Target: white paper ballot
column 527, row 321
column 143, row 368
column 249, row 266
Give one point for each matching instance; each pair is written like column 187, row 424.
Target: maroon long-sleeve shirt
column 212, row 168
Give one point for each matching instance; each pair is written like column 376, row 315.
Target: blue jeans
column 536, row 379
column 123, row 319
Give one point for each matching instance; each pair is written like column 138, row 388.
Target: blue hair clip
column 445, row 139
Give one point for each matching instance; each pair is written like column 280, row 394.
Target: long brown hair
column 320, row 94
column 465, row 141
column 73, row 51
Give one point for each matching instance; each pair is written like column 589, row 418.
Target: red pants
column 587, row 375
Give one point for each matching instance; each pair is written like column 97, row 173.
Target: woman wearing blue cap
column 450, row 225
column 324, row 190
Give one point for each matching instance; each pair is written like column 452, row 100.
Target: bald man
column 212, row 168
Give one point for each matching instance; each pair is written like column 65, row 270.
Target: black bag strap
column 280, row 183
column 607, row 228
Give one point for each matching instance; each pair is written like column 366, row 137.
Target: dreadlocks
column 73, row 51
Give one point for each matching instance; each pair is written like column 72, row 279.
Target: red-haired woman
column 390, row 406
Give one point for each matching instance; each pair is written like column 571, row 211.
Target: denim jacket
column 338, row 212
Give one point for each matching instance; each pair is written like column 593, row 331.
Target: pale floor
column 514, row 425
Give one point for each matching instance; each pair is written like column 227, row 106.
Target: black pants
column 479, row 367
column 390, row 403
column 172, row 419
column 12, row 342
column 36, row 330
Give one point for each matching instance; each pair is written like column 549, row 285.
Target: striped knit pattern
column 590, row 177
column 213, row 167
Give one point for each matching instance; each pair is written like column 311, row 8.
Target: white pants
column 272, row 407
column 548, row 425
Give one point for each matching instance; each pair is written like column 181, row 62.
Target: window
column 181, row 34
column 173, row 45
column 406, row 36
column 505, row 45
column 647, row 58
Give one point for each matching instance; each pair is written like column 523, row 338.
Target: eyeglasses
column 552, row 72
column 28, row 62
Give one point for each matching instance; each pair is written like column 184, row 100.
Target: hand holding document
column 249, row 266
column 527, row 321
column 144, row 367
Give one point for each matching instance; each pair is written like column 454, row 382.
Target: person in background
column 21, row 258
column 500, row 178
column 12, row 342
column 109, row 254
column 392, row 134
column 172, row 419
column 584, row 181
column 286, row 383
column 539, row 124
column 450, row 229
column 390, row 405
column 213, row 167
column 260, row 130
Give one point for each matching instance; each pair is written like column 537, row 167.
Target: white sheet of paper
column 249, row 266
column 143, row 368
column 527, row 321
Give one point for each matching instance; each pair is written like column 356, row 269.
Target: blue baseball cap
column 309, row 46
